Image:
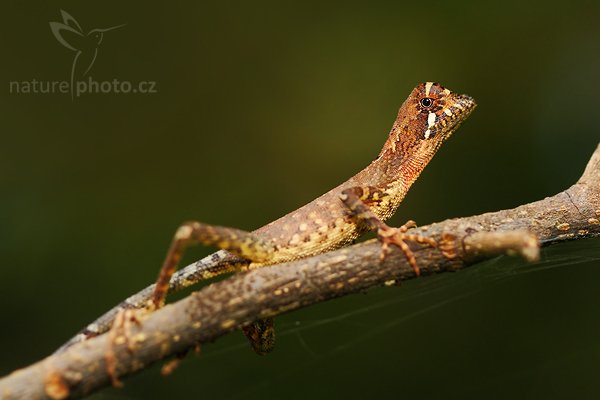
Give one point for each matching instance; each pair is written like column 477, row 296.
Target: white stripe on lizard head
column 430, row 122
column 431, row 119
column 428, row 86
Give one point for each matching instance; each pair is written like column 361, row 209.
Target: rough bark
column 227, row 305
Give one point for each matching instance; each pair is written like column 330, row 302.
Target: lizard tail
column 218, row 263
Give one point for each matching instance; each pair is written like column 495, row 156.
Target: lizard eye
column 426, row 102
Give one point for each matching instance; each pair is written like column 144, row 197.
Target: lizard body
column 425, row 120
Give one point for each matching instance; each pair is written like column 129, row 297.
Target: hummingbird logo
column 85, row 45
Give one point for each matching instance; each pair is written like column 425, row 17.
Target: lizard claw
column 398, row 237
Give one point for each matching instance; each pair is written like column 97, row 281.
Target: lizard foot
column 120, row 333
column 398, row 237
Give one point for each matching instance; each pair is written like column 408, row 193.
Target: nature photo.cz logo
column 85, row 47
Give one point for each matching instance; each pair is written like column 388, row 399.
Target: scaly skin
column 425, row 120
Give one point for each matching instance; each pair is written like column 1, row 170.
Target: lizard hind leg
column 358, row 199
column 241, row 243
column 261, row 333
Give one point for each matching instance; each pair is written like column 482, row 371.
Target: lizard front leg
column 358, row 201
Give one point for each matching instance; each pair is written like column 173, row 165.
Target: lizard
column 425, row 120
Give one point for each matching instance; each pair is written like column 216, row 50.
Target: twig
column 227, row 305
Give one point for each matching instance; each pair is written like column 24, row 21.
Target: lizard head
column 434, row 112
column 427, row 118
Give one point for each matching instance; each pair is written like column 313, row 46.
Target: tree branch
column 227, row 305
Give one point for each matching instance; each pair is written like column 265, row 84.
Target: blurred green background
column 262, row 106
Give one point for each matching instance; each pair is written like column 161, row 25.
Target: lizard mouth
column 456, row 111
column 463, row 106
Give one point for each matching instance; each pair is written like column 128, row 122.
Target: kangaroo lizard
column 425, row 120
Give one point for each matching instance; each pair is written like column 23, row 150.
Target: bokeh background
column 260, row 107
